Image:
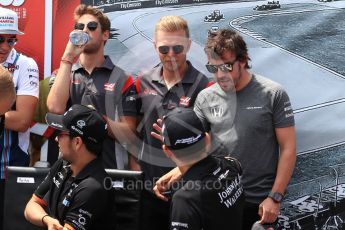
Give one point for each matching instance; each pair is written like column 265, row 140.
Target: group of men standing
column 243, row 116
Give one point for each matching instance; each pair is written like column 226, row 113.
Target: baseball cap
column 82, row 121
column 182, row 129
column 9, row 22
column 258, row 226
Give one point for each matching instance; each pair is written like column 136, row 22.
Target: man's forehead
column 171, row 39
column 225, row 56
column 87, row 18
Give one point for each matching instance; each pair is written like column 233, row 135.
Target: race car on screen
column 214, row 16
column 269, row 6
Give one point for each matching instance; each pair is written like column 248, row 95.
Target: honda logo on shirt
column 184, row 101
column 217, row 111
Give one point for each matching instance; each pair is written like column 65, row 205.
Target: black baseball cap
column 80, row 120
column 183, row 129
column 258, row 226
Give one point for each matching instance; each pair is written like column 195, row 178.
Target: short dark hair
column 95, row 149
column 226, row 40
column 87, row 9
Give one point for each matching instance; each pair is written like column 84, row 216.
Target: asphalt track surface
column 301, row 46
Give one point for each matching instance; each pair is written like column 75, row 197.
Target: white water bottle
column 79, row 38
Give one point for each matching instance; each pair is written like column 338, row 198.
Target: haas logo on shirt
column 109, row 86
column 184, row 101
column 150, row 92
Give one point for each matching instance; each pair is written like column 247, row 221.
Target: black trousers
column 250, row 215
column 155, row 212
column 2, row 201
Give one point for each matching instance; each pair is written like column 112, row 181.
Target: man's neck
column 172, row 77
column 246, row 77
column 186, row 165
column 90, row 61
column 81, row 163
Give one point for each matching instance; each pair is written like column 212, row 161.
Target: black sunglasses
column 176, row 48
column 92, row 26
column 10, row 41
column 226, row 67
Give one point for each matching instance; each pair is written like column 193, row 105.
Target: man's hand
column 158, row 127
column 269, row 211
column 72, row 52
column 164, row 183
column 111, row 124
column 52, row 224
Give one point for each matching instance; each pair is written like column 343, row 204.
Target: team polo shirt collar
column 107, row 64
column 89, row 169
column 188, row 78
column 205, row 165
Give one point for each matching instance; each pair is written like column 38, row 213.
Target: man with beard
column 173, row 83
column 94, row 80
column 75, row 194
column 252, row 116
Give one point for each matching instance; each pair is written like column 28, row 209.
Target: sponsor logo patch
column 184, row 101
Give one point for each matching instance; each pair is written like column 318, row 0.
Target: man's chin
column 226, row 86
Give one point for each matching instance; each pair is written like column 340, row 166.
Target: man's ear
column 167, row 152
column 106, row 35
column 189, row 43
column 78, row 143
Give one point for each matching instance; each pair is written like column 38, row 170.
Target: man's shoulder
column 189, row 191
column 267, row 83
column 209, row 93
column 149, row 74
column 25, row 60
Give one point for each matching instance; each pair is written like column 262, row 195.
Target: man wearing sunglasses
column 262, row 133
column 76, row 194
column 14, row 142
column 252, row 117
column 173, row 83
column 87, row 76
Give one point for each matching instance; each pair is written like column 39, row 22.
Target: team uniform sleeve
column 89, row 203
column 42, row 191
column 28, row 79
column 282, row 110
column 131, row 101
column 199, row 107
column 185, row 212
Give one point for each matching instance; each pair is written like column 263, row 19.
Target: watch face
column 276, row 196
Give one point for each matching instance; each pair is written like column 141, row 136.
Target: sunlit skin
column 172, row 62
column 5, row 105
column 235, row 79
column 5, row 48
column 65, row 145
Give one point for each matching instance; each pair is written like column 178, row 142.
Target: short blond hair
column 172, row 24
column 6, row 84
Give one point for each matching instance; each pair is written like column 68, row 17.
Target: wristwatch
column 276, row 196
